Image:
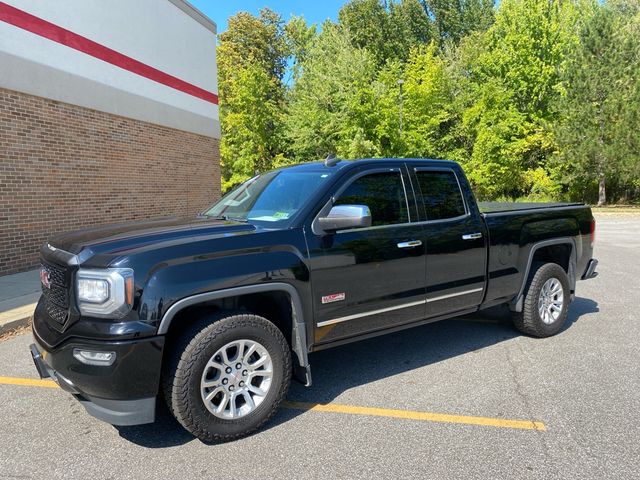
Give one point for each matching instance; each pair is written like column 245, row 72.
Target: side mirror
column 342, row 217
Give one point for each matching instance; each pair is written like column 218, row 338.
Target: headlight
column 105, row 293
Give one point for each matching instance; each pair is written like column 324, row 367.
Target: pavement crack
column 521, row 393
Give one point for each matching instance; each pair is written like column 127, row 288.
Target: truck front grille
column 56, row 298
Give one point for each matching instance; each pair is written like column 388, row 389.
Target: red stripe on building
column 33, row 24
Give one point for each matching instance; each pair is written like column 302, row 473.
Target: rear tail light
column 592, row 232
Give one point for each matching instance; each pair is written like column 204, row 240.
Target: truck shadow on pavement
column 342, row 368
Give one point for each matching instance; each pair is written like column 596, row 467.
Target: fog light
column 90, row 357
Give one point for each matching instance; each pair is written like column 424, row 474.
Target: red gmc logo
column 45, row 278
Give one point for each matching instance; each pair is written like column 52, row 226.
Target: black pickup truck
column 217, row 312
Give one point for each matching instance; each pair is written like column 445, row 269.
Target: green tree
column 299, row 37
column 426, row 101
column 456, row 19
column 252, row 129
column 536, row 98
column 330, row 106
column 252, row 57
column 514, row 79
column 599, row 124
column 388, row 29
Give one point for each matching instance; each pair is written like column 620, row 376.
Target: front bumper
column 121, row 394
column 590, row 271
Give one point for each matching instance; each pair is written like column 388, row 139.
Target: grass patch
column 617, row 210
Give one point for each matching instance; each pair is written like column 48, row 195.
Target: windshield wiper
column 223, row 217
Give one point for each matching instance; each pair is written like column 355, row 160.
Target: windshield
column 272, row 197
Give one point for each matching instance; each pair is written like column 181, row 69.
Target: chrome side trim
column 406, row 197
column 457, row 294
column 377, row 227
column 370, row 312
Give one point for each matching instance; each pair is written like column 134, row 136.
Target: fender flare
column 298, row 325
column 517, row 303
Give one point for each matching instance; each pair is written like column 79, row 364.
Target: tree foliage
column 251, row 65
column 388, row 30
column 536, row 98
column 456, row 19
column 514, row 77
column 330, row 105
column 598, row 125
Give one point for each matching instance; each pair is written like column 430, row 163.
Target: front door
column 367, row 279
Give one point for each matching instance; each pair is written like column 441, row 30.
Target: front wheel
column 546, row 302
column 228, row 376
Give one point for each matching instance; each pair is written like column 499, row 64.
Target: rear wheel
column 546, row 302
column 228, row 376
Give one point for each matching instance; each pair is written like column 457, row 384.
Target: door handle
column 472, row 236
column 410, row 244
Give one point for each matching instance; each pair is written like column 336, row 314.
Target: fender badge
column 335, row 297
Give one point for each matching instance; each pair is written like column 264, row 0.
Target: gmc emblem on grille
column 45, row 278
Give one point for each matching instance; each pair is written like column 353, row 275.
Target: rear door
column 455, row 239
column 367, row 279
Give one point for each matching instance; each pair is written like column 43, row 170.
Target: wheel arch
column 298, row 339
column 547, row 250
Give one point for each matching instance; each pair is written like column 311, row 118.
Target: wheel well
column 560, row 254
column 275, row 306
column 556, row 253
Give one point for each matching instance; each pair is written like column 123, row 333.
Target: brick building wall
column 63, row 167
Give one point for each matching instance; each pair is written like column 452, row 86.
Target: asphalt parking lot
column 466, row 398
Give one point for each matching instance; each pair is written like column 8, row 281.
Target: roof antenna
column 331, row 160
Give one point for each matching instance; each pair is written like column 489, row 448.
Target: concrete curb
column 16, row 318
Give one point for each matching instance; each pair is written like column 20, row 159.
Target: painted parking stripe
column 353, row 410
column 414, row 415
column 28, row 382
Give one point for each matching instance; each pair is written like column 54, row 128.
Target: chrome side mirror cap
column 343, row 217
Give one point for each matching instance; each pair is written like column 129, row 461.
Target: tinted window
column 440, row 194
column 383, row 193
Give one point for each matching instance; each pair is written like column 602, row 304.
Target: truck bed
column 488, row 208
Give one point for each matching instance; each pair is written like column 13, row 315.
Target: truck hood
column 121, row 238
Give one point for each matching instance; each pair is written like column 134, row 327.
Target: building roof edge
column 196, row 14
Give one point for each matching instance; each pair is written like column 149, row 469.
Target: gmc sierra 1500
column 215, row 313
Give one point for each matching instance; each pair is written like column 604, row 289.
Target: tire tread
column 186, row 352
column 527, row 321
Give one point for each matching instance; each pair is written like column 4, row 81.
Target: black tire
column 189, row 356
column 529, row 321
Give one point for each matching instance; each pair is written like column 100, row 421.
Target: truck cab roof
column 347, row 164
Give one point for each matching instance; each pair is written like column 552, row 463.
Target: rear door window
column 440, row 193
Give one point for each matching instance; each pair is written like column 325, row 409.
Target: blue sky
column 314, row 11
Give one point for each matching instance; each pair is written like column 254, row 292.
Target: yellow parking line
column 28, row 382
column 413, row 415
column 353, row 410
